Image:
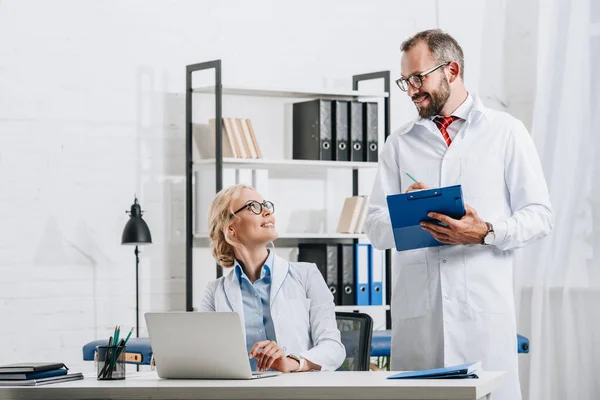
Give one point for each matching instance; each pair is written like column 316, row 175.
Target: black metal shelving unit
column 189, row 165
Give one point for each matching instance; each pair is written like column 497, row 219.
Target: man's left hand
column 470, row 229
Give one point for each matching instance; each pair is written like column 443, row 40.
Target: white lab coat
column 302, row 309
column 455, row 304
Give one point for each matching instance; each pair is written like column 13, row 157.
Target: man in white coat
column 454, row 304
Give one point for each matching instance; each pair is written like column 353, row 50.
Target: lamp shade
column 136, row 230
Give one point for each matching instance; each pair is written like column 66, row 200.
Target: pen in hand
column 410, row 176
column 416, row 185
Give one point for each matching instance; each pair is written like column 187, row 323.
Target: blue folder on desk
column 455, row 372
column 407, row 210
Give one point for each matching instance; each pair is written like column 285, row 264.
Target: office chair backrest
column 356, row 330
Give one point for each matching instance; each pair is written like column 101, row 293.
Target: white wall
column 92, row 111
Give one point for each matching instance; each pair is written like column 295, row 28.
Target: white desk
column 309, row 385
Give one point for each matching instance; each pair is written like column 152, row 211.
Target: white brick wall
column 91, row 112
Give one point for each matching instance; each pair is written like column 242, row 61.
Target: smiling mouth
column 267, row 225
column 420, row 99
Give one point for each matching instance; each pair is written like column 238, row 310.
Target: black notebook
column 44, row 381
column 30, row 367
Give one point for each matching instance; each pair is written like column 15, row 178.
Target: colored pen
column 128, row 336
column 411, row 177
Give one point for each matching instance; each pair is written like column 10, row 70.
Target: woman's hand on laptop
column 270, row 356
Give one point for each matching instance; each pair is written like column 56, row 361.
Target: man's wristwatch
column 490, row 236
column 300, row 360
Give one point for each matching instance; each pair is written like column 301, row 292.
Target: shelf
column 262, row 163
column 293, row 239
column 361, row 308
column 332, row 236
column 291, row 93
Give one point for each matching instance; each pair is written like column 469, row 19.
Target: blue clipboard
column 407, row 210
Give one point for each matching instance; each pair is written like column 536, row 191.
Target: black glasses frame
column 416, row 80
column 249, row 205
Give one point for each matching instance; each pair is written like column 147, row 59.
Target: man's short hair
column 443, row 47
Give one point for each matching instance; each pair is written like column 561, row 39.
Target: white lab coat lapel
column 233, row 294
column 279, row 272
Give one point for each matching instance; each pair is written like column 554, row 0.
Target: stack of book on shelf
column 36, row 374
column 354, row 215
column 239, row 139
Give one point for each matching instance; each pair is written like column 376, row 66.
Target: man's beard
column 437, row 99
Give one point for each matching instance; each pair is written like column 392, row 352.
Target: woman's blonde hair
column 220, row 218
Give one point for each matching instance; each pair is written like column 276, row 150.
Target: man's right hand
column 417, row 186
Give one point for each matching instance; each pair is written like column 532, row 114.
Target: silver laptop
column 194, row 345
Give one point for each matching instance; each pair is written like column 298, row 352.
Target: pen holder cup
column 110, row 362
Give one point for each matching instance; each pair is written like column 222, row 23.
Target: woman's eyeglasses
column 257, row 208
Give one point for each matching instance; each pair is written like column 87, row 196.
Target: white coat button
column 446, row 297
column 444, row 261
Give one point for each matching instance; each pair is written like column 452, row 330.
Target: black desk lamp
column 136, row 232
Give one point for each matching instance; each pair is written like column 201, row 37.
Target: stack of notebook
column 36, row 374
column 353, row 215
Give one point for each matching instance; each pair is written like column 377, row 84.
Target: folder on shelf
column 346, row 263
column 454, row 372
column 356, row 131
column 363, row 261
column 312, row 130
column 371, row 125
column 376, row 277
column 314, row 253
column 332, row 278
column 341, row 130
column 326, row 258
column 407, row 210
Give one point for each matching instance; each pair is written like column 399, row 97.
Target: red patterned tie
column 443, row 123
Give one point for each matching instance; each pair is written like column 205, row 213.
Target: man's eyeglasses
column 416, row 80
column 257, row 208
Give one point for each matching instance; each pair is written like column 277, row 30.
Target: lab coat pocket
column 411, row 286
column 482, row 177
column 412, row 257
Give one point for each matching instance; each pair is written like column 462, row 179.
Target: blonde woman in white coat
column 286, row 308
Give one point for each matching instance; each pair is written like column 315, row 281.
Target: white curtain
column 558, row 278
